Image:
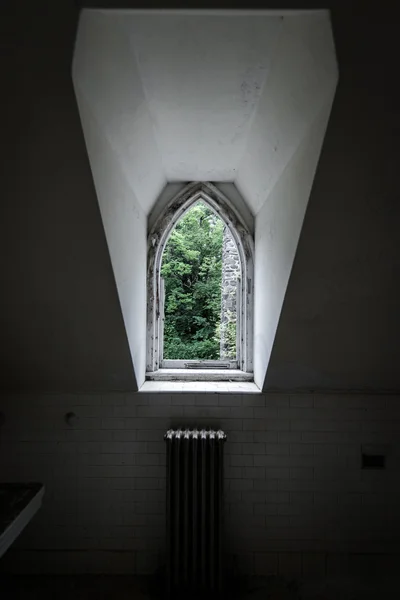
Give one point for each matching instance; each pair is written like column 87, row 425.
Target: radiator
column 194, row 512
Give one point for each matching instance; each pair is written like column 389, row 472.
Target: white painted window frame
column 157, row 239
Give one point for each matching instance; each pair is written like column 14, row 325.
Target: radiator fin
column 194, row 511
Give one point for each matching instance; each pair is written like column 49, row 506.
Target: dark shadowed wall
column 340, row 324
column 61, row 322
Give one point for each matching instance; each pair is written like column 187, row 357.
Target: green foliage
column 192, row 272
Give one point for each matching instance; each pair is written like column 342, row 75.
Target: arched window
column 237, row 281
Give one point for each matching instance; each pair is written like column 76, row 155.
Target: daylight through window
column 200, row 288
column 201, row 274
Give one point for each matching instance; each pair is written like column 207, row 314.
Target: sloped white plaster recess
column 278, row 226
column 241, row 99
column 302, row 78
column 203, row 78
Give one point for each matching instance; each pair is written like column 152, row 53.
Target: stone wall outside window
column 230, row 276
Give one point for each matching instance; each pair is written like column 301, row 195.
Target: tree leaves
column 192, row 272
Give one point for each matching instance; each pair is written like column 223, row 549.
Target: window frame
column 158, row 237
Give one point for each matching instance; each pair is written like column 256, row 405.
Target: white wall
column 231, row 192
column 202, row 75
column 302, row 74
column 296, row 499
column 238, row 104
column 278, row 227
column 210, row 97
column 125, row 227
column 105, row 72
column 276, row 172
column 124, row 157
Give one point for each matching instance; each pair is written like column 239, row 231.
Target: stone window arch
column 235, row 231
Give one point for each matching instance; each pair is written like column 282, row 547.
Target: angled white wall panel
column 125, row 226
column 203, row 76
column 278, row 227
column 302, row 77
column 106, row 74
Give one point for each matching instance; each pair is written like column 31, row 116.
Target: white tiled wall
column 296, row 496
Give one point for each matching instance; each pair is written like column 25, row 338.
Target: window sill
column 201, row 387
column 200, row 381
column 199, row 375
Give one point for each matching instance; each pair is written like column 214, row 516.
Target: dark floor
column 97, row 587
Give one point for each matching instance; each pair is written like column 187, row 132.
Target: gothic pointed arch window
column 226, row 351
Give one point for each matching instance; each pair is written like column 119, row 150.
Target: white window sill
column 220, row 375
column 213, row 387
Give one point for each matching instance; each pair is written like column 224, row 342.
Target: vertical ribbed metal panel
column 194, row 512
